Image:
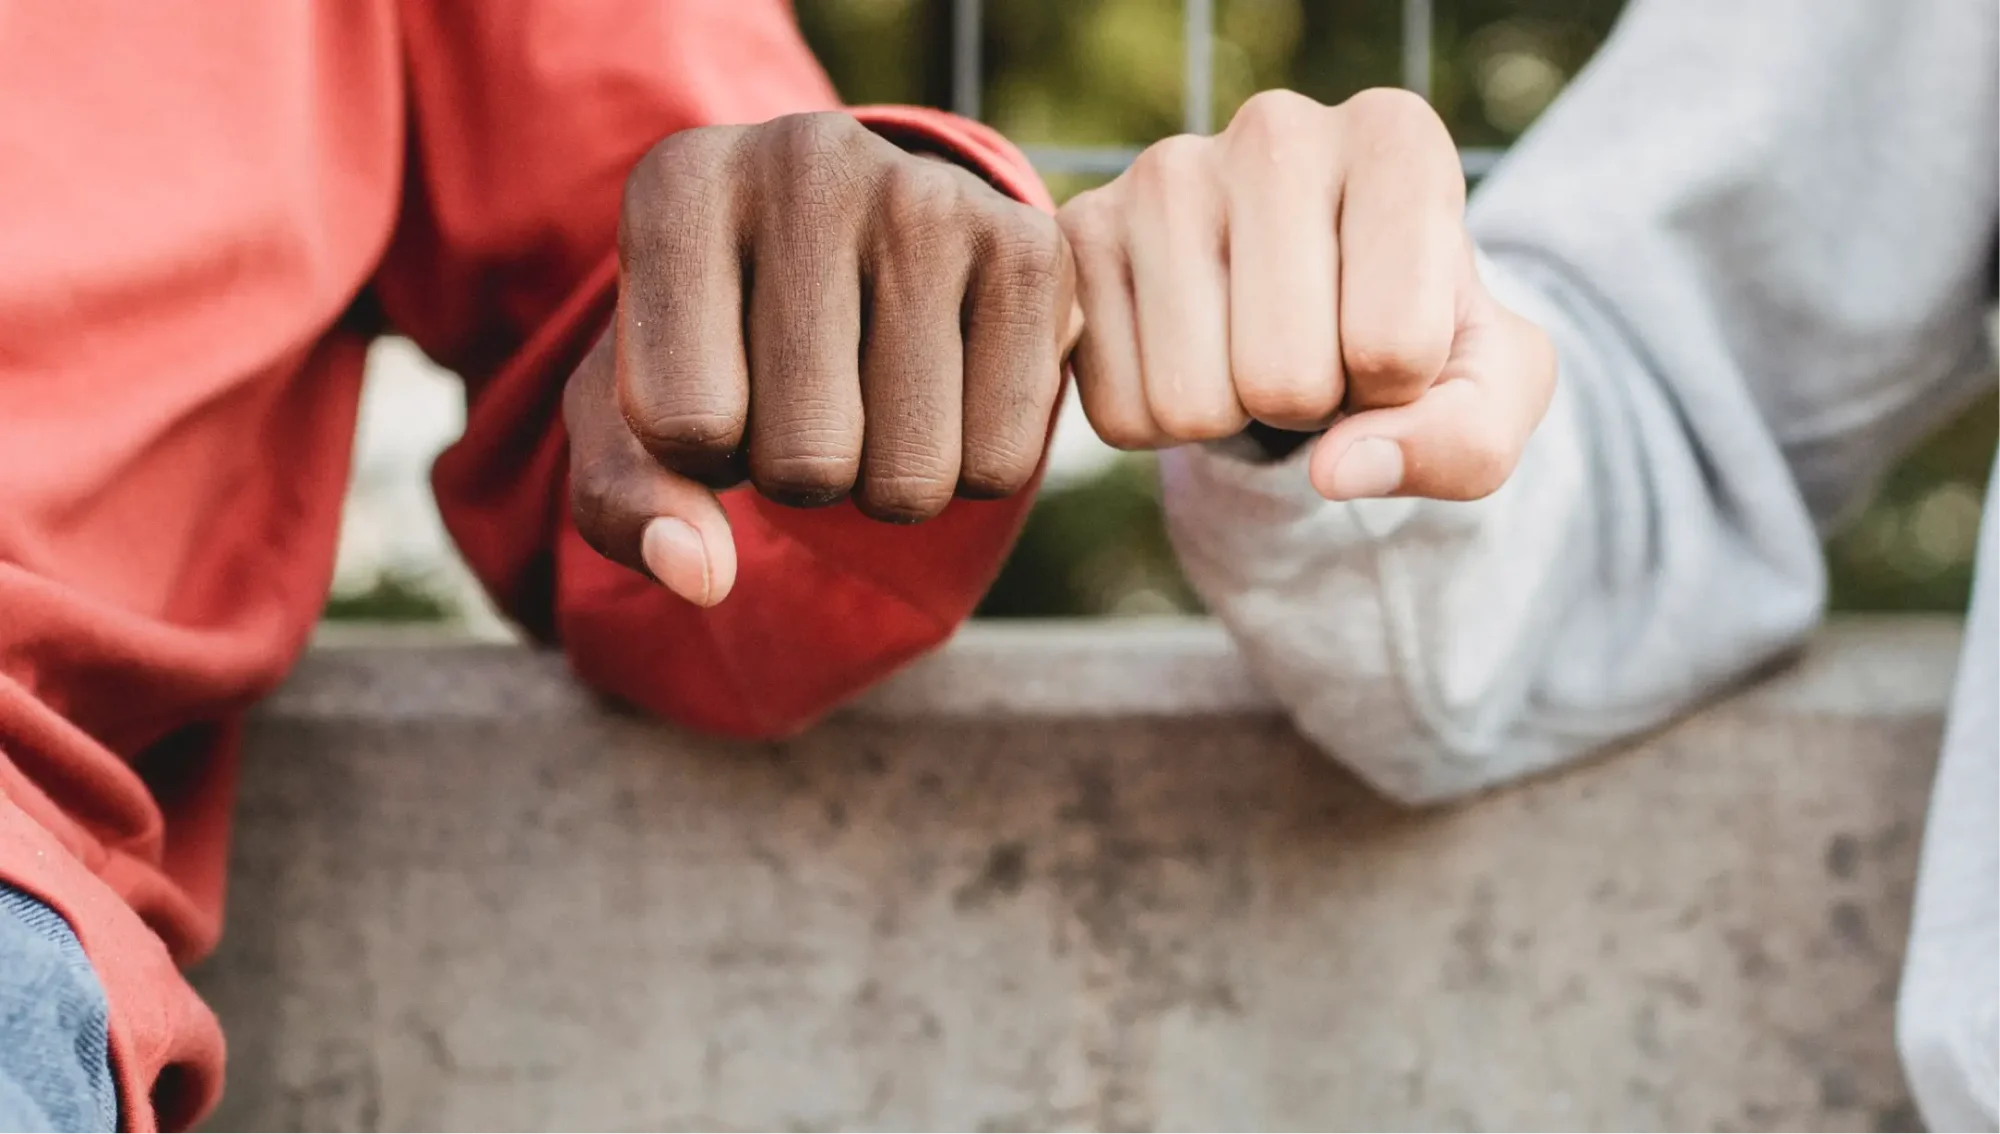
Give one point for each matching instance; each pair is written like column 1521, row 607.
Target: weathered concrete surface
column 1060, row 880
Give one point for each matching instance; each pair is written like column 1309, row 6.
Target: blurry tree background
column 1108, row 73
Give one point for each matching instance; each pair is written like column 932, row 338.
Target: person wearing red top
column 660, row 276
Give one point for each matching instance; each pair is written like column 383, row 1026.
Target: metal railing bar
column 1417, row 37
column 965, row 62
column 1198, row 74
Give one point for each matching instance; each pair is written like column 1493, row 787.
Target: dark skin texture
column 807, row 307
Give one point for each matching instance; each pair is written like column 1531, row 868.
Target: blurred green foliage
column 1097, row 547
column 394, row 597
column 1108, row 72
column 1105, row 72
column 1912, row 548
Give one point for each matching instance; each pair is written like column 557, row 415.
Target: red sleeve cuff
column 827, row 601
column 977, row 145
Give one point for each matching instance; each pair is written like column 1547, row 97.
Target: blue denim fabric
column 55, row 1046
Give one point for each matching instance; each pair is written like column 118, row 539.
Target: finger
column 629, row 508
column 1177, row 240
column 1459, row 440
column 912, row 390
column 1109, row 382
column 1402, row 240
column 683, row 382
column 1020, row 319
column 805, row 321
column 1283, row 262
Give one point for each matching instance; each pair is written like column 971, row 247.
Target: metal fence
column 1198, row 84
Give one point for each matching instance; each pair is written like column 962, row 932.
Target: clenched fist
column 807, row 307
column 1308, row 268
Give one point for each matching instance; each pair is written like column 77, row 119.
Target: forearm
column 1613, row 581
column 1751, row 319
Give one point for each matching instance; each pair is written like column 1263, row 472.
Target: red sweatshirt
column 207, row 208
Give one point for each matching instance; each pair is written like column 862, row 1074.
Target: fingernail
column 1370, row 467
column 674, row 553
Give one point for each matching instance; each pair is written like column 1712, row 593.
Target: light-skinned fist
column 1307, row 268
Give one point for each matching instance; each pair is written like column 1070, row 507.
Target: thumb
column 1462, row 438
column 630, row 509
column 663, row 525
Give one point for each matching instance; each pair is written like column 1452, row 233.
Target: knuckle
column 1117, row 413
column 1389, row 125
column 995, row 481
column 1170, row 161
column 1285, row 398
column 1028, row 257
column 1123, row 431
column 820, row 135
column 1117, row 424
column 803, row 479
column 922, row 191
column 920, row 205
column 820, row 159
column 1090, row 222
column 1391, row 109
column 672, row 415
column 996, row 467
column 903, row 497
column 1380, row 360
column 688, row 430
column 683, row 167
column 654, row 170
column 1185, row 421
column 1391, row 366
column 1198, row 410
column 1028, row 238
column 1174, row 186
column 1274, row 120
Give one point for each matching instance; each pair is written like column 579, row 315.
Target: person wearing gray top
column 1593, row 427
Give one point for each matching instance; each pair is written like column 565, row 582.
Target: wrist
column 920, row 144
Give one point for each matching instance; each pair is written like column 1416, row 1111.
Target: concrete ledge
column 1029, row 670
column 1059, row 877
column 1140, row 667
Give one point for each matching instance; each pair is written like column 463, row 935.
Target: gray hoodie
column 1762, row 236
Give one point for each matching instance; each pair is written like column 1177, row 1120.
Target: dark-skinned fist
column 804, row 306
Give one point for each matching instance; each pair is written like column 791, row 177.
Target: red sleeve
column 525, row 117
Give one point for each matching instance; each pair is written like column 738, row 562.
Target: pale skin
column 1307, row 268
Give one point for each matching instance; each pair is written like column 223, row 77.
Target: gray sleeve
column 1761, row 237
